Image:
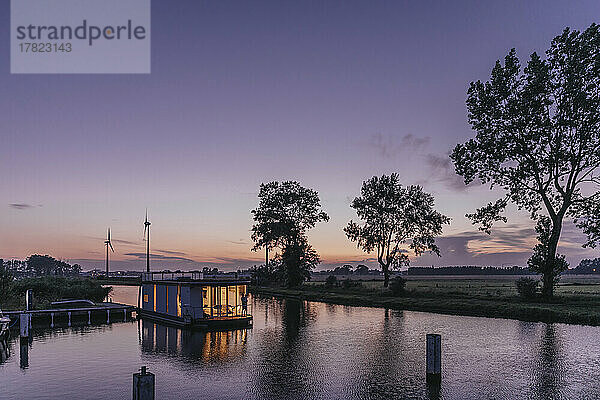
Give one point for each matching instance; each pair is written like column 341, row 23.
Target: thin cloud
column 509, row 245
column 119, row 241
column 231, row 260
column 240, row 242
column 442, row 170
column 389, row 146
column 142, row 256
column 474, row 248
column 22, row 206
column 174, row 253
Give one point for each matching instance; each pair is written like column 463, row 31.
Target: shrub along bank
column 47, row 289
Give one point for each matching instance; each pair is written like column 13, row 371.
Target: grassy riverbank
column 576, row 302
column 47, row 289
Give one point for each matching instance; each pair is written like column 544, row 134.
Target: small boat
column 76, row 303
column 4, row 324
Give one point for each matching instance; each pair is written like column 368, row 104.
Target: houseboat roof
column 195, row 278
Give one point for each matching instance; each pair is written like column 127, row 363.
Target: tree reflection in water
column 383, row 360
column 549, row 367
column 288, row 367
column 4, row 351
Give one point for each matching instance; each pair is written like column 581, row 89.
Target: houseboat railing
column 191, row 275
column 223, row 310
column 162, row 276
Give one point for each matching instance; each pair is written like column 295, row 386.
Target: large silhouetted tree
column 538, row 138
column 286, row 211
column 296, row 260
column 392, row 216
column 539, row 259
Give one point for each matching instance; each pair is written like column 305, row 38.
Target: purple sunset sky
column 328, row 93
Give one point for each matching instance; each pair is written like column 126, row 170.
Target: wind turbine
column 108, row 244
column 147, row 239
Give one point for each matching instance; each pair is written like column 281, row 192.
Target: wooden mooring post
column 24, row 353
column 24, row 325
column 24, row 332
column 434, row 358
column 143, row 385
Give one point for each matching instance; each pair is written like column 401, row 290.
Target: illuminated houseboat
column 193, row 300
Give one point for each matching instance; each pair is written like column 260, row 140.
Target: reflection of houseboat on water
column 188, row 345
column 191, row 299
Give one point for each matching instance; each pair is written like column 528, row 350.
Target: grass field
column 577, row 298
column 495, row 286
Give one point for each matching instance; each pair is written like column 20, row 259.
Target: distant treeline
column 348, row 269
column 468, row 270
column 586, row 266
column 38, row 265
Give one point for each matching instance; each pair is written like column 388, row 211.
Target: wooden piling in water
column 434, row 358
column 143, row 385
column 24, row 331
column 24, row 322
column 24, row 352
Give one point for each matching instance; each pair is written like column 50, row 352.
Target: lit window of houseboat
column 155, row 298
column 178, row 300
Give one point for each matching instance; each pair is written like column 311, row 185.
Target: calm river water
column 307, row 350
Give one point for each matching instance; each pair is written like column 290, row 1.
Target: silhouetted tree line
column 348, row 269
column 586, row 266
column 48, row 278
column 468, row 270
column 52, row 288
column 38, row 265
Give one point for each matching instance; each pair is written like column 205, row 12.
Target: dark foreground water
column 306, row 350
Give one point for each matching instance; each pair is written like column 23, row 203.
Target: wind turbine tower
column 108, row 244
column 147, row 239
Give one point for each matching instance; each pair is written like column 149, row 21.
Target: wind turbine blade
column 110, row 244
column 109, row 234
